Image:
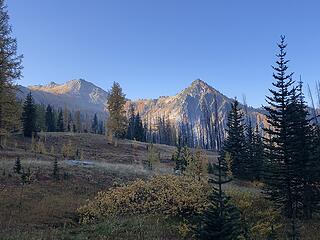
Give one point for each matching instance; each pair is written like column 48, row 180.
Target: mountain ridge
column 188, row 104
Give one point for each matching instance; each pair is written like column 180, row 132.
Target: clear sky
column 158, row 47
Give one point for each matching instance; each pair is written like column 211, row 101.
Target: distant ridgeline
column 188, row 118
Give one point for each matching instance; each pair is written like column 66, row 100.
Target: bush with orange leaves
column 174, row 196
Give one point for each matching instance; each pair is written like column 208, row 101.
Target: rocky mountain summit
column 74, row 94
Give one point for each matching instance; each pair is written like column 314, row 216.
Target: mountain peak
column 200, row 84
column 79, row 81
column 197, row 86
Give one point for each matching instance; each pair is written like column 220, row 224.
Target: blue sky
column 158, row 47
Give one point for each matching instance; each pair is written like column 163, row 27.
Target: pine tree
column 95, row 125
column 41, row 118
column 60, row 122
column 198, row 165
column 282, row 179
column 50, row 121
column 29, row 116
column 307, row 167
column 66, row 119
column 55, row 171
column 255, row 153
column 235, row 144
column 10, row 70
column 101, row 127
column 117, row 121
column 138, row 128
column 17, row 166
column 222, row 220
column 182, row 157
column 131, row 122
column 77, row 125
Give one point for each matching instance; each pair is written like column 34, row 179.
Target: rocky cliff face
column 188, row 105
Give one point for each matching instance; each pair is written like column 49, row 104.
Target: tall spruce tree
column 55, row 170
column 138, row 129
column 95, row 124
column 117, row 121
column 66, row 119
column 255, row 152
column 41, row 118
column 282, row 178
column 29, row 116
column 307, row 168
column 131, row 122
column 182, row 156
column 10, row 70
column 60, row 122
column 77, row 125
column 50, row 119
column 17, row 166
column 235, row 144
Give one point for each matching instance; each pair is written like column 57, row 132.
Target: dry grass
column 45, row 208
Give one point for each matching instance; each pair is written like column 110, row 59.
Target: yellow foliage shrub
column 40, row 147
column 68, row 151
column 176, row 196
column 259, row 213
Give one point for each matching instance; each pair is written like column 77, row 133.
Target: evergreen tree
column 182, row 157
column 176, row 157
column 281, row 167
column 60, row 122
column 138, row 129
column 77, row 126
column 117, row 121
column 131, row 123
column 198, row 166
column 55, row 171
column 222, row 220
column 41, row 118
column 29, row 116
column 70, row 123
column 17, row 166
column 284, row 184
column 10, row 70
column 95, row 124
column 307, row 167
column 66, row 119
column 255, row 153
column 101, row 127
column 235, row 143
column 50, row 121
